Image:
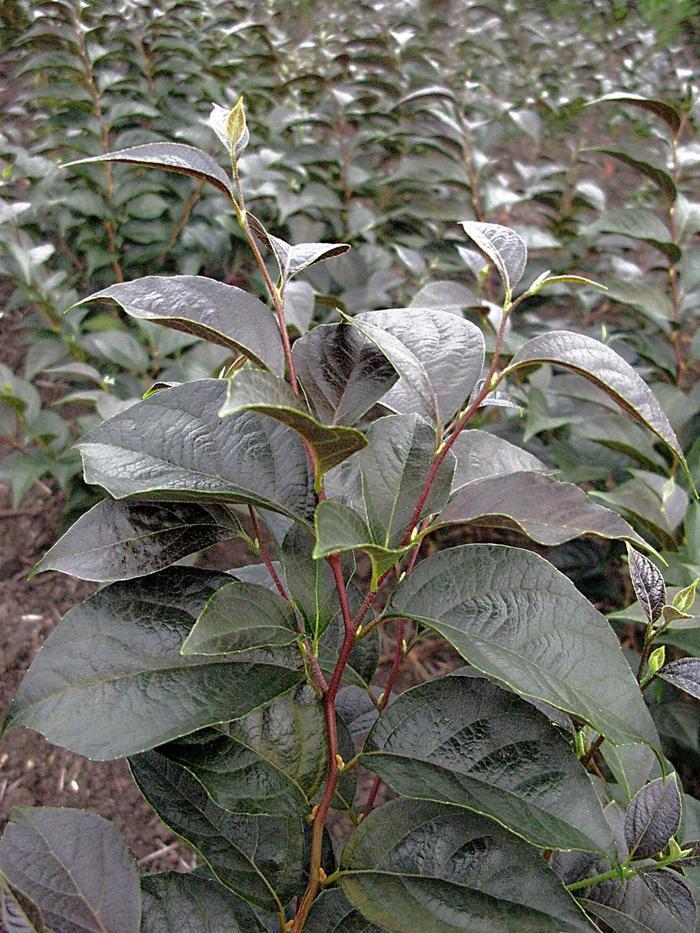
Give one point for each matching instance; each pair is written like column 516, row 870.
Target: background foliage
column 377, row 125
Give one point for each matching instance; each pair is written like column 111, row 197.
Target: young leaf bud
column 684, row 599
column 657, row 659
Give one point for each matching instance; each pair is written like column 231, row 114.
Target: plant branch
column 381, row 706
column 628, row 870
column 272, row 291
column 265, row 556
column 321, row 812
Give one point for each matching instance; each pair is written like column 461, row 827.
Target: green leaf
column 179, row 901
column 310, row 583
column 544, row 280
column 120, row 348
column 546, row 510
column 480, row 455
column 230, row 126
column 661, row 178
column 291, row 260
column 172, row 157
column 606, row 369
column 222, row 314
column 505, row 248
column 174, row 446
column 667, row 112
column 655, row 900
column 394, row 468
column 339, row 528
column 630, row 766
column 118, row 540
column 343, row 372
column 257, row 857
column 269, row 395
column 465, row 741
column 639, row 224
column 347, row 785
column 414, row 391
column 449, row 349
column 111, row 681
column 74, row 866
column 416, row 865
column 241, row 616
column 652, row 301
column 271, row 761
column 514, row 617
column 299, row 303
column 331, row 913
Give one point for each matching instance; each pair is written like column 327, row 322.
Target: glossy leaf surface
column 464, row 741
column 449, row 348
column 118, row 540
column 414, row 391
column 310, row 583
column 343, row 372
column 653, row 816
column 240, row 616
column 607, row 370
column 339, row 529
column 648, row 583
column 223, row 314
column 293, row 259
column 178, row 901
column 172, row 157
column 684, row 674
column 419, row 865
column 332, row 913
column 256, row 857
column 655, row 900
column 480, row 454
column 270, row 761
column 667, row 112
column 505, row 248
column 546, row 510
column 394, row 469
column 660, row 178
column 514, row 617
column 18, row 914
column 174, row 446
column 116, row 658
column 639, row 224
column 272, row 396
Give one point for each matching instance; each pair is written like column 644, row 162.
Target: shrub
column 244, row 700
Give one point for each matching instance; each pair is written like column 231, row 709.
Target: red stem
column 381, row 706
column 333, row 766
column 265, row 555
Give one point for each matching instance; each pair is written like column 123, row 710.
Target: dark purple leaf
column 653, row 816
column 649, row 586
column 684, row 674
column 220, row 313
column 172, row 157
